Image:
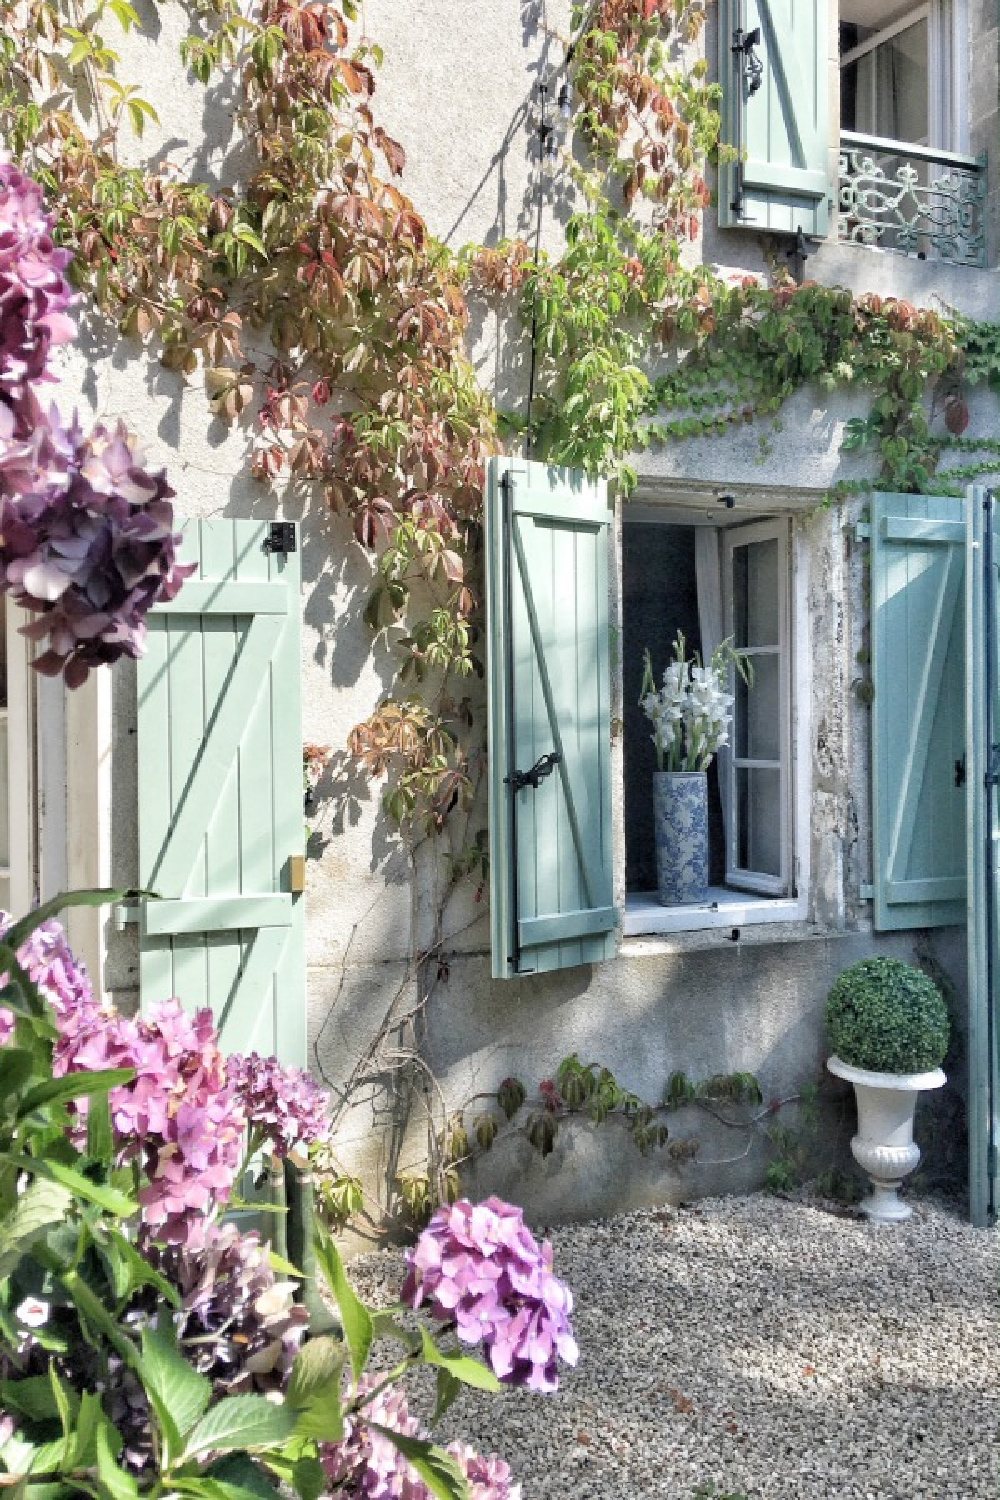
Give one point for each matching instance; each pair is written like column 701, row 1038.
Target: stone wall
column 456, row 90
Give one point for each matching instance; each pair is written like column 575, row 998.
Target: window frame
column 947, row 44
column 642, row 915
column 737, row 877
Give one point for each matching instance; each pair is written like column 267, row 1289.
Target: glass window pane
column 757, row 712
column 756, row 596
column 885, row 91
column 758, row 820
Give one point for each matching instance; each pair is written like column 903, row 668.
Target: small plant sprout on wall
column 888, row 1024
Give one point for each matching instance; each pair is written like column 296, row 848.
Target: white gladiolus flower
column 692, row 712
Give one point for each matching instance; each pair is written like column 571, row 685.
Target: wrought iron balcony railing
column 899, row 196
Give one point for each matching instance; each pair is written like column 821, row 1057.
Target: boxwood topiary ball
column 887, row 1016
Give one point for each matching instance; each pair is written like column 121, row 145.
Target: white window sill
column 724, row 908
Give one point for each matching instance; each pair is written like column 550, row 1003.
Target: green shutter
column 982, row 733
column 780, row 180
column 918, row 710
column 547, row 535
column 220, row 792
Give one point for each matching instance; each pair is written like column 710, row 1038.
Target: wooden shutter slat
column 924, row 705
column 216, row 751
column 765, row 174
column 212, row 913
column 568, row 925
column 549, row 691
column 563, row 769
column 918, row 673
column 220, row 798
column 199, row 598
column 919, row 529
column 780, row 179
column 246, row 1013
column 946, row 889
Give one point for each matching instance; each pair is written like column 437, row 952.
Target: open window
column 899, row 75
column 683, row 571
column 905, row 183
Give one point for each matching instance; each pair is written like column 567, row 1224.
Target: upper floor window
column 899, row 73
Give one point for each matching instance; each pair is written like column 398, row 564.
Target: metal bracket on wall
column 280, row 537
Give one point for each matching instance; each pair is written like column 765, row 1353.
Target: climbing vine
column 318, row 311
column 321, row 317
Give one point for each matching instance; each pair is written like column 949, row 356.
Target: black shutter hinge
column 960, row 772
column 992, row 777
column 280, row 537
column 751, row 67
column 991, row 1161
column 543, row 767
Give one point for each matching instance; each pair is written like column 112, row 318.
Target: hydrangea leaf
column 461, row 1366
column 22, row 930
column 314, row 1390
column 41, row 1207
column 179, row 1394
column 114, row 1482
column 73, row 1086
column 106, row 1198
column 241, row 1422
column 356, row 1318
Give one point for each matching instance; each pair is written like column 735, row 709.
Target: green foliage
column 886, row 1016
column 68, row 1239
column 316, row 247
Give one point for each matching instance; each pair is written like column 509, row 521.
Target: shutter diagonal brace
column 215, row 757
column 550, row 707
column 901, row 833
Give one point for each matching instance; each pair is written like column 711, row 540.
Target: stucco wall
column 455, row 89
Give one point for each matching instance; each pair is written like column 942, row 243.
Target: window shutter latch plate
column 280, row 537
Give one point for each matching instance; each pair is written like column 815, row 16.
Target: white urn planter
column 884, row 1145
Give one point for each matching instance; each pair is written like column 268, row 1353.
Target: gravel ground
column 759, row 1347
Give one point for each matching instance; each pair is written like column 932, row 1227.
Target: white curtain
column 708, row 577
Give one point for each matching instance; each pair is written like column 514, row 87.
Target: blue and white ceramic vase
column 680, row 810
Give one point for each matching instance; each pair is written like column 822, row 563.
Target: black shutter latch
column 544, row 766
column 280, row 537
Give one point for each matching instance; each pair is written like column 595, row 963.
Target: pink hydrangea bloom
column 479, row 1266
column 50, row 963
column 35, row 298
column 285, row 1103
column 179, row 1117
column 366, row 1466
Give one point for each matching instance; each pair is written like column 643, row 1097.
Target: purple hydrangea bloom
column 35, row 297
column 87, row 542
column 50, row 963
column 87, row 539
column 479, row 1267
column 285, row 1103
column 237, row 1322
column 487, row 1478
column 366, row 1466
column 178, row 1117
